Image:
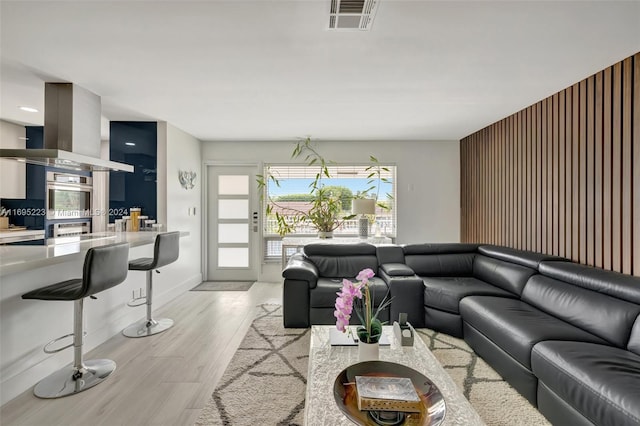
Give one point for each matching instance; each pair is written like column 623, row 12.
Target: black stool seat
column 141, row 264
column 65, row 290
column 104, row 267
column 165, row 251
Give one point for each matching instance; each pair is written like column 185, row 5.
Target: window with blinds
column 293, row 193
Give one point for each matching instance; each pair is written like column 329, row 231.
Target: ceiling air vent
column 354, row 15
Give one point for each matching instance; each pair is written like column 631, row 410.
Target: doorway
column 233, row 240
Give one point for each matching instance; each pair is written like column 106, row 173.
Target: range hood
column 71, row 132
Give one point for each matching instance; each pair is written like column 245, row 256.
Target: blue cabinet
column 135, row 143
column 36, row 174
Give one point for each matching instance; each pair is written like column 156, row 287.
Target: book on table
column 377, row 393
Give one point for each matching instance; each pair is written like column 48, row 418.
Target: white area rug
column 266, row 380
column 494, row 399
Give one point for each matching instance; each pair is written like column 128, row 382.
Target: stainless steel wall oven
column 68, row 195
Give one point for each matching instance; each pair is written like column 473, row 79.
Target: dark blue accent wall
column 36, row 174
column 137, row 189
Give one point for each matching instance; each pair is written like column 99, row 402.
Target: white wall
column 178, row 208
column 12, row 173
column 101, row 192
column 428, row 180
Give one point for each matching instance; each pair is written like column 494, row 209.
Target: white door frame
column 205, row 214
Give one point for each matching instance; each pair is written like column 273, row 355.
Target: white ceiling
column 269, row 70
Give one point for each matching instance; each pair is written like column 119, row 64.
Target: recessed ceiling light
column 28, row 109
column 130, row 143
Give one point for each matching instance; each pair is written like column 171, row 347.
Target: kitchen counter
column 14, row 259
column 27, row 325
column 12, row 236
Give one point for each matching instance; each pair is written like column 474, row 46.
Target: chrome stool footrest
column 53, row 351
column 134, row 302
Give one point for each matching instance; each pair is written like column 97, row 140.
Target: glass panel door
column 232, row 223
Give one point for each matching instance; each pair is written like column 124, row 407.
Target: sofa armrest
column 407, row 295
column 300, row 269
column 300, row 276
column 397, row 270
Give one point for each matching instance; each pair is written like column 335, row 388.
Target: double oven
column 69, row 198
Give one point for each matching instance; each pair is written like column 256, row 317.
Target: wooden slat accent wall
column 562, row 176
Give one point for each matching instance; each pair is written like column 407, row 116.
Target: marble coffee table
column 326, row 362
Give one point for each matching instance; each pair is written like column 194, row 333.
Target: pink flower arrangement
column 359, row 294
column 344, row 303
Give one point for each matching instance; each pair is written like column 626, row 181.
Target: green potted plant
column 327, row 204
column 324, row 213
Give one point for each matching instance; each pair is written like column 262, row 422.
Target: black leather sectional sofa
column 566, row 336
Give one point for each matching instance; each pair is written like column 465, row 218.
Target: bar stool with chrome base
column 104, row 267
column 165, row 251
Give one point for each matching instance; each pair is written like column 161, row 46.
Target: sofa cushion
column 440, row 260
column 520, row 257
column 439, row 248
column 397, row 270
column 506, row 275
column 358, row 249
column 621, row 286
column 342, row 260
column 441, row 265
column 389, row 254
column 516, row 326
column 605, row 316
column 601, row 382
column 445, row 293
column 325, row 293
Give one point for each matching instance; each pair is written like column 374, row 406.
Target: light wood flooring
column 164, row 379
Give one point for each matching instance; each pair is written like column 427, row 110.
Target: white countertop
column 15, row 259
column 15, row 235
column 21, row 233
